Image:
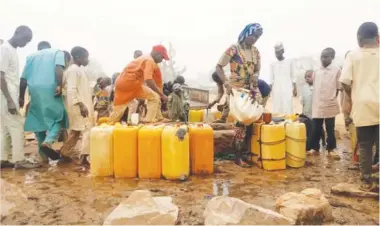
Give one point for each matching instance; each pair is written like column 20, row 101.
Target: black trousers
column 309, row 130
column 317, row 132
column 367, row 137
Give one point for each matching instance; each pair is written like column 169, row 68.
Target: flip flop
column 53, row 155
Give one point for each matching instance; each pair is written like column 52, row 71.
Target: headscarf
column 177, row 86
column 249, row 30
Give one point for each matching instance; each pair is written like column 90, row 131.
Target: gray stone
column 352, row 190
column 142, row 208
column 223, row 210
column 308, row 207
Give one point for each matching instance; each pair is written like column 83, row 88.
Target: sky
column 199, row 30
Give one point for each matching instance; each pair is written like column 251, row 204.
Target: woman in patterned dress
column 244, row 61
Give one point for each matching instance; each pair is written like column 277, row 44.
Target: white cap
column 279, row 46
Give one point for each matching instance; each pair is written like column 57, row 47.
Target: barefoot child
column 325, row 103
column 78, row 105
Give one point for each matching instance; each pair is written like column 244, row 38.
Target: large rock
column 223, row 140
column 352, row 190
column 308, row 207
column 223, row 210
column 142, row 208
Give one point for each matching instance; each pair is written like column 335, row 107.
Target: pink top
column 326, row 84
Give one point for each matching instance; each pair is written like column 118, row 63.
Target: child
column 102, row 92
column 79, row 106
column 325, row 104
column 360, row 80
column 307, row 103
column 178, row 103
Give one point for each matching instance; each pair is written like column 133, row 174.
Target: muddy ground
column 61, row 195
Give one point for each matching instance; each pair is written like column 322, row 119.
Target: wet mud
column 62, row 195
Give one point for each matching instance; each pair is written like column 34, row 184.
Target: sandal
column 47, row 150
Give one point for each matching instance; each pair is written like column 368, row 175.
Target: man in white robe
column 283, row 82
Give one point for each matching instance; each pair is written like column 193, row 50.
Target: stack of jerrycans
column 125, row 139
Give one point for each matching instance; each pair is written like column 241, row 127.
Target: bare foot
column 312, row 153
column 375, row 168
column 242, row 164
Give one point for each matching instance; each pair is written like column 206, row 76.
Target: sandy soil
column 60, row 195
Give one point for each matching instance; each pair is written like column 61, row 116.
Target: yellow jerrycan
column 102, row 120
column 101, row 153
column 125, row 150
column 175, row 152
column 268, row 146
column 149, row 151
column 196, row 115
column 295, row 144
column 201, row 149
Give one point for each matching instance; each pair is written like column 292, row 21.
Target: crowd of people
column 62, row 96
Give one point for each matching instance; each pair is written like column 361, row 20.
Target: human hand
column 186, row 106
column 11, row 107
column 164, row 98
column 348, row 121
column 83, row 110
column 228, row 88
column 210, row 105
column 58, row 91
column 21, row 102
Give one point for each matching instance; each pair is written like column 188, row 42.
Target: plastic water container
column 201, row 149
column 175, row 152
column 101, row 151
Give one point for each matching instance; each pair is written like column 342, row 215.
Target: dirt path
column 59, row 195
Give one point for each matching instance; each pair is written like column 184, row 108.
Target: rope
column 273, row 160
column 296, row 158
column 267, row 143
column 295, row 139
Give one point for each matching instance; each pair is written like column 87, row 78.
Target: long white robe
column 282, row 78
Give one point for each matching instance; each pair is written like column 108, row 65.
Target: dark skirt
column 241, row 141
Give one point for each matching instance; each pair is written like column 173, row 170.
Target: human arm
column 346, row 75
column 293, row 76
column 224, row 60
column 148, row 71
column 59, row 61
column 186, row 98
column 23, row 85
column 4, row 89
column 338, row 84
column 271, row 75
column 219, row 96
column 346, row 79
column 4, row 63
